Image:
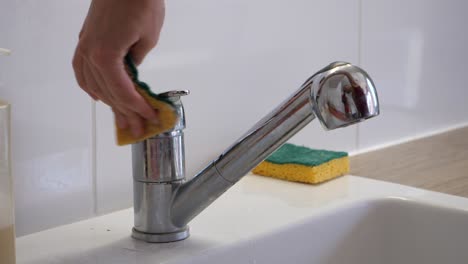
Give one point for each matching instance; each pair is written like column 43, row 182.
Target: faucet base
column 161, row 237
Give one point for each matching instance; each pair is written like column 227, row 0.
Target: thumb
column 140, row 49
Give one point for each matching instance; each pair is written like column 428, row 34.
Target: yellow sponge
column 302, row 164
column 167, row 113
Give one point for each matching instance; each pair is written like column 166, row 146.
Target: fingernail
column 155, row 121
column 137, row 132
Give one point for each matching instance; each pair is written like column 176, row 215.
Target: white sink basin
column 350, row 220
column 384, row 231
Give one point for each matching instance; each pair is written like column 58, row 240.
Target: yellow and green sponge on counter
column 301, row 164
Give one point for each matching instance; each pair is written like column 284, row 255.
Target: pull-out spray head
column 342, row 94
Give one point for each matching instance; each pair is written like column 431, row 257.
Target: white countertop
column 254, row 206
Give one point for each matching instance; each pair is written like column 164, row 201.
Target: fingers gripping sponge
column 302, row 164
column 167, row 113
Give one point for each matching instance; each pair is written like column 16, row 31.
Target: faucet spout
column 252, row 148
column 340, row 94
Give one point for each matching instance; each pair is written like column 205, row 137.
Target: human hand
column 111, row 30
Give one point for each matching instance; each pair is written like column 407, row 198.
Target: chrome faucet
column 164, row 202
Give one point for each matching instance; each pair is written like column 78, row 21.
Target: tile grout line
column 359, row 55
column 94, row 157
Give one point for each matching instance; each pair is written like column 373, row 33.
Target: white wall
column 51, row 119
column 239, row 58
column 416, row 52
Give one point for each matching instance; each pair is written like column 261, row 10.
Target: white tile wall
column 51, row 118
column 114, row 182
column 416, row 52
column 239, row 58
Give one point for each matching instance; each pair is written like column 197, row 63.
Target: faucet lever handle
column 174, row 94
column 174, row 97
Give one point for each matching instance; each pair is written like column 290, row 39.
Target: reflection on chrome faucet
column 339, row 95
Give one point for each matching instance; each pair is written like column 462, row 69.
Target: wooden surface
column 438, row 163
